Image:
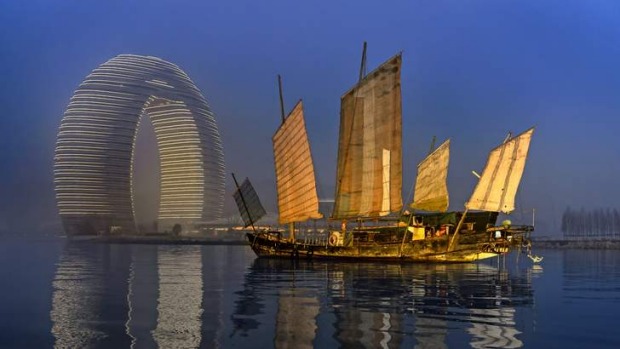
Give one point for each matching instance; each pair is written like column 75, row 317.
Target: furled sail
column 369, row 172
column 249, row 205
column 431, row 188
column 498, row 184
column 297, row 197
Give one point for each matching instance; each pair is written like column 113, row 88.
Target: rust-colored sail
column 297, row 197
column 431, row 188
column 498, row 184
column 369, row 150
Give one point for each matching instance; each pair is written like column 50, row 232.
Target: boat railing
column 316, row 238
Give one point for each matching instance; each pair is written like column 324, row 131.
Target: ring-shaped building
column 93, row 163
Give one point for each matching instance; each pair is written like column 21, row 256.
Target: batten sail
column 431, row 188
column 498, row 184
column 369, row 173
column 248, row 203
column 297, row 196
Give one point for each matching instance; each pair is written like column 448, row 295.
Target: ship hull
column 271, row 245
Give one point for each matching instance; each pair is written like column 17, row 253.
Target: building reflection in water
column 180, row 297
column 144, row 296
column 115, row 296
column 89, row 304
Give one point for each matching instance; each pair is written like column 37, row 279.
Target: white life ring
column 333, row 240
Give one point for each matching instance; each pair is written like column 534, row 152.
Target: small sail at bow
column 297, row 197
column 249, row 205
column 498, row 184
column 368, row 182
column 431, row 188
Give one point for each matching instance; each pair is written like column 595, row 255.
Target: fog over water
column 472, row 71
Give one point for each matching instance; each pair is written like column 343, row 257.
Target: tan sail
column 500, row 179
column 431, row 188
column 369, row 150
column 297, row 197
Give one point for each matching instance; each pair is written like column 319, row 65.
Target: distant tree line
column 599, row 223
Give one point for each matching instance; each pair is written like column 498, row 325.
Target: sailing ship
column 369, row 188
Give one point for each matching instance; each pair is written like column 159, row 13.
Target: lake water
column 81, row 295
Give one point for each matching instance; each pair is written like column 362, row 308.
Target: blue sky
column 472, row 71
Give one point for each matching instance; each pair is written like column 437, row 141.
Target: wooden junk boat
column 368, row 189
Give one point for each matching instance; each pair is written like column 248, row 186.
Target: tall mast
column 363, row 64
column 292, row 224
column 430, row 151
column 281, row 98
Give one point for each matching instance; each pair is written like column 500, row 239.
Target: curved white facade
column 95, row 147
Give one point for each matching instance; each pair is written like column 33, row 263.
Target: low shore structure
column 577, row 244
column 161, row 239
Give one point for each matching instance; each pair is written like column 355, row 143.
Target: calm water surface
column 82, row 295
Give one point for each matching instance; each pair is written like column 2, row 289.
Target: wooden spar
column 361, row 76
column 432, row 146
column 402, row 244
column 363, row 64
column 245, row 206
column 291, row 227
column 281, row 98
column 456, row 232
column 292, row 224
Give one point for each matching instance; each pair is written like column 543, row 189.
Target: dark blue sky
column 472, row 71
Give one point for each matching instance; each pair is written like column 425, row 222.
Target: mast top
column 363, row 63
column 281, row 98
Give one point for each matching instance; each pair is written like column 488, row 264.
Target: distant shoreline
column 578, row 244
column 156, row 240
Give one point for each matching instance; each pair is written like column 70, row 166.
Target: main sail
column 368, row 182
column 431, row 188
column 498, row 184
column 297, row 197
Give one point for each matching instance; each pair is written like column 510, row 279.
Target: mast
column 291, row 225
column 294, row 169
column 369, row 171
column 430, row 191
column 281, row 98
column 363, row 63
column 498, row 184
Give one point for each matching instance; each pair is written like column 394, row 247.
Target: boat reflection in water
column 146, row 296
column 382, row 305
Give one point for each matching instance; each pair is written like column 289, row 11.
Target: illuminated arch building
column 95, row 148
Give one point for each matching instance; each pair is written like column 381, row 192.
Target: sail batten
column 498, row 184
column 295, row 180
column 431, row 188
column 370, row 133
